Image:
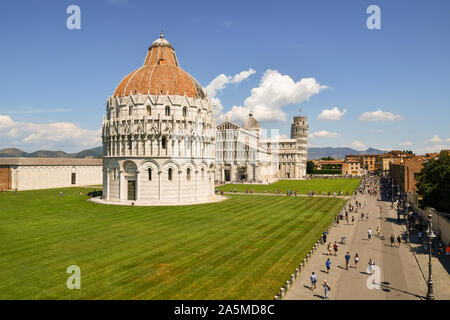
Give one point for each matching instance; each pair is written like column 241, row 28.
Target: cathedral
column 159, row 135
column 242, row 155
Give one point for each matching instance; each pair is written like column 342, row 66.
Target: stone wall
column 45, row 177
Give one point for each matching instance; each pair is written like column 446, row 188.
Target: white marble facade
column 242, row 155
column 159, row 135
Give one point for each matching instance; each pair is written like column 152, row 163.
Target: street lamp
column 431, row 236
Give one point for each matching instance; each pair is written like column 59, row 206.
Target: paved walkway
column 403, row 269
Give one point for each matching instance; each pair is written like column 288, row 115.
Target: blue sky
column 393, row 83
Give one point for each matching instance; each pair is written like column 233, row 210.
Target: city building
column 404, row 171
column 383, row 161
column 352, row 166
column 368, row 162
column 336, row 164
column 159, row 135
column 44, row 173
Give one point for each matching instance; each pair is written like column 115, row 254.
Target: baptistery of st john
column 158, row 135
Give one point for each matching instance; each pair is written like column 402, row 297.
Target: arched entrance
column 130, row 178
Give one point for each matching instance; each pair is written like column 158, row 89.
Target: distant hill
column 338, row 153
column 313, row 153
column 14, row 152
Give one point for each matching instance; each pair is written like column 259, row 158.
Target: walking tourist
column 327, row 288
column 329, row 248
column 369, row 233
column 356, row 260
column 335, row 247
column 392, row 240
column 347, row 259
column 313, row 281
column 371, row 265
column 328, row 265
column 399, row 240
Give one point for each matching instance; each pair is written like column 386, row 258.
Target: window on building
column 149, row 110
column 188, row 174
column 170, row 174
column 74, row 178
column 164, row 142
column 150, row 174
column 167, row 111
column 203, row 173
column 130, row 111
column 184, row 111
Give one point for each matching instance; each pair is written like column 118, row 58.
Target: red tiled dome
column 160, row 74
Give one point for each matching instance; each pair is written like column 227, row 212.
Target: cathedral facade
column 242, row 155
column 159, row 135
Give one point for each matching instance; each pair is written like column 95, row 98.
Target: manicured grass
column 242, row 248
column 302, row 186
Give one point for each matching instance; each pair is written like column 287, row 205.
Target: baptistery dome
column 159, row 135
column 160, row 74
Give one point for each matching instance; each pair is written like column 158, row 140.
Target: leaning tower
column 299, row 131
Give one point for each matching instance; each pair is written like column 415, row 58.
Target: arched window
column 149, row 110
column 130, row 110
column 163, row 142
column 170, row 174
column 167, row 111
column 184, row 111
column 188, row 174
column 203, row 173
column 150, row 174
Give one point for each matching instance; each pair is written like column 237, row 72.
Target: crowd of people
column 370, row 185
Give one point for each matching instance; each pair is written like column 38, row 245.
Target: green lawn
column 242, row 248
column 302, row 186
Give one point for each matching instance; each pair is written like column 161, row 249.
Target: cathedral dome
column 251, row 123
column 160, row 75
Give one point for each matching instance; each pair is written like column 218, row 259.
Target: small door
column 227, row 175
column 131, row 190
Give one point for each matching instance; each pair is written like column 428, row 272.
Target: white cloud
column 358, row 145
column 219, row 83
column 379, row 115
column 435, row 148
column 274, row 92
column 435, row 139
column 406, row 144
column 332, row 114
column 59, row 135
column 324, row 134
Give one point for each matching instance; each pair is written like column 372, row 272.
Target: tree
column 327, row 158
column 433, row 182
column 408, row 151
column 309, row 167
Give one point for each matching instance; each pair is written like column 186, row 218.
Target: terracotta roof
column 49, row 162
column 160, row 75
